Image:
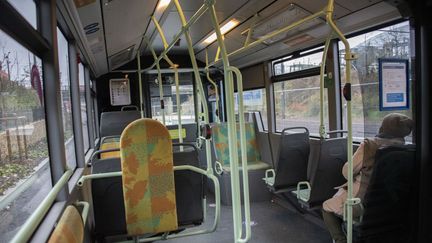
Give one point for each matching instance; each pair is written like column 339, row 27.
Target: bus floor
column 270, row 222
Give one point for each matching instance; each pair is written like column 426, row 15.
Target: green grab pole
column 28, row 228
column 245, row 172
column 176, row 78
column 185, row 31
column 250, row 30
column 198, row 232
column 160, row 85
column 232, row 134
column 140, row 85
column 159, row 29
column 185, row 28
column 212, row 177
column 212, row 82
column 161, row 96
column 348, row 57
column 322, row 128
column 179, row 107
column 272, row 34
column 97, row 176
column 217, row 54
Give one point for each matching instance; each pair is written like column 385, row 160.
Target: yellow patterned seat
column 110, row 145
column 70, row 227
column 148, row 178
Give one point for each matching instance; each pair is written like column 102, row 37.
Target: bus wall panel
column 253, row 77
column 102, row 83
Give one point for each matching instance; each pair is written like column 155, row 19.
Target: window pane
column 170, row 101
column 95, row 116
column 254, row 100
column 25, row 176
column 66, row 99
column 297, row 103
column 390, row 42
column 27, row 8
column 298, row 64
column 83, row 103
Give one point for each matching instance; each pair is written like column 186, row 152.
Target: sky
column 19, row 57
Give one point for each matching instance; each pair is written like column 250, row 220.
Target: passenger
column 393, row 129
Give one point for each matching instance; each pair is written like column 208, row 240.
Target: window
column 25, row 176
column 297, row 104
column 389, row 42
column 27, row 8
column 254, row 100
column 66, row 102
column 298, row 64
column 83, row 103
column 187, row 100
column 95, row 116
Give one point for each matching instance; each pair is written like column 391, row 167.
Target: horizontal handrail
column 273, row 34
column 191, row 21
column 176, row 168
column 98, row 152
column 32, row 223
column 85, row 209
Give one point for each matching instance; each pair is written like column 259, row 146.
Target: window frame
column 295, row 55
column 149, row 79
column 265, row 128
column 358, row 140
column 292, row 76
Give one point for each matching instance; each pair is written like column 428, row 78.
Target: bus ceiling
column 111, row 33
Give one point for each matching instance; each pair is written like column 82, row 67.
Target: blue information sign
column 393, row 84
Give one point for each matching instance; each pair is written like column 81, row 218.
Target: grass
column 11, row 172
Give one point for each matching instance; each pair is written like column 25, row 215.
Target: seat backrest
column 114, row 122
column 108, row 203
column 70, row 227
column 390, row 193
column 190, row 132
column 148, row 178
column 107, row 194
column 326, row 160
column 292, row 163
column 189, row 185
column 220, row 141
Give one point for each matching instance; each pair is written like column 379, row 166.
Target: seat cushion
column 110, row 145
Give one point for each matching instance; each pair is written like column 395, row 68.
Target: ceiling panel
column 356, row 5
column 126, row 23
column 172, row 25
column 373, row 15
column 91, row 20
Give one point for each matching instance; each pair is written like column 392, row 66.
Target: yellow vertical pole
column 198, row 82
column 176, row 78
column 322, row 128
column 232, row 137
column 214, row 85
column 140, row 84
column 351, row 201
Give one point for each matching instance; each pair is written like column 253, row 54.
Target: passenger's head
column 396, row 125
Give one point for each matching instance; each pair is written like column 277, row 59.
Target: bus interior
column 214, row 120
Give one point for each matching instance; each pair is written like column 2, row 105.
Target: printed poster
column 393, row 84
